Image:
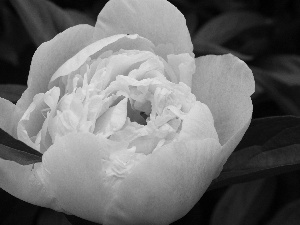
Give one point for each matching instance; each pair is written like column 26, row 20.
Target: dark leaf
column 21, row 213
column 15, row 150
column 12, row 92
column 271, row 147
column 255, row 41
column 230, row 5
column 289, row 215
column 192, row 22
column 74, row 220
column 238, row 206
column 228, row 25
column 204, row 48
column 264, row 129
column 51, row 217
column 284, row 94
column 285, row 39
column 280, row 78
column 11, row 45
column 43, row 19
column 284, row 68
column 8, row 202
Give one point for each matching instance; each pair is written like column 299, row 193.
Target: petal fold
column 49, row 57
column 198, row 124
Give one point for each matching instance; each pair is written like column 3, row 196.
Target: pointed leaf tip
column 15, row 150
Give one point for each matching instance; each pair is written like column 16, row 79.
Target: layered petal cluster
column 132, row 127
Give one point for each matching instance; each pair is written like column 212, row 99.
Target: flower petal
column 183, row 66
column 30, row 124
column 113, row 119
column 7, row 121
column 166, row 184
column 198, row 124
column 230, row 145
column 157, row 20
column 74, row 172
column 49, row 57
column 112, row 43
column 26, row 183
column 224, row 84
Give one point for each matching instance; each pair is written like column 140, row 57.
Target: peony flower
column 133, row 128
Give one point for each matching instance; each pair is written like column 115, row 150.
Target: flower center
column 124, row 97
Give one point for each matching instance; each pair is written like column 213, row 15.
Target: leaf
column 15, row 150
column 74, row 220
column 263, row 129
column 289, row 215
column 239, row 203
column 228, row 25
column 271, row 147
column 229, row 5
column 7, row 203
column 285, row 95
column 13, row 38
column 284, row 68
column 50, row 217
column 21, row 213
column 280, row 78
column 11, row 92
column 205, row 47
column 192, row 22
column 43, row 19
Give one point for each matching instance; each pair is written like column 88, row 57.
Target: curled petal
column 166, row 185
column 198, row 124
column 30, row 125
column 225, row 83
column 113, row 119
column 230, row 145
column 184, row 67
column 112, row 43
column 48, row 57
column 157, row 20
column 76, row 61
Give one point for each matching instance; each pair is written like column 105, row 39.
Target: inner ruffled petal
column 112, row 120
column 30, row 132
column 125, row 96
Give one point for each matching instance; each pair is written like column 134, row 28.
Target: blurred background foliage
column 263, row 33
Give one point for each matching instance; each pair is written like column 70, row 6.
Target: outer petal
column 7, row 122
column 75, row 175
column 157, row 20
column 49, row 57
column 166, row 185
column 26, row 183
column 112, row 43
column 224, row 84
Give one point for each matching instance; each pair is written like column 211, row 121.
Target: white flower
column 133, row 128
